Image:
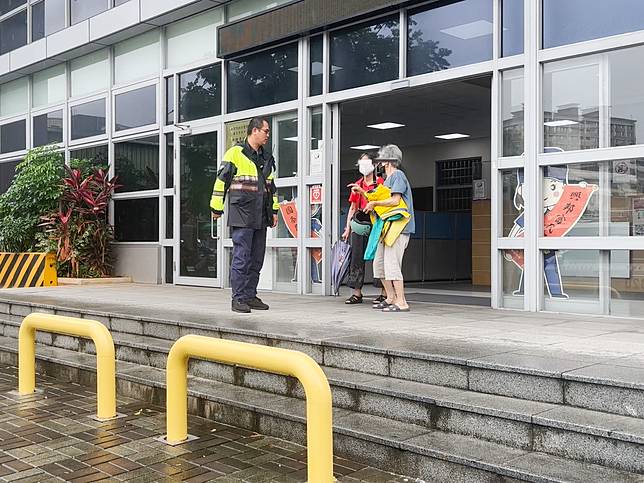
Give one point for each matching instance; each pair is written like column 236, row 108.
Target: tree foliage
column 34, row 192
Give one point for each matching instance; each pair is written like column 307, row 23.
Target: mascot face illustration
column 553, row 190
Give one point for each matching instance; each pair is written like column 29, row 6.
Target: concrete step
column 406, row 448
column 586, row 384
column 584, row 435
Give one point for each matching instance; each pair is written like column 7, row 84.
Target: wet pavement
column 50, row 436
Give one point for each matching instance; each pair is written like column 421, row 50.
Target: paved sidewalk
column 50, row 437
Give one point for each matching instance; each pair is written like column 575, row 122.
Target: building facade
column 544, row 203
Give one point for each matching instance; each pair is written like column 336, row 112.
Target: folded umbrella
column 340, row 260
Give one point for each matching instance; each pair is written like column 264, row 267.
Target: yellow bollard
column 91, row 329
column 281, row 361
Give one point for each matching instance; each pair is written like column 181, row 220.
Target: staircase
column 439, row 413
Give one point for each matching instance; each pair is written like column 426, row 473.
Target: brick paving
column 49, row 436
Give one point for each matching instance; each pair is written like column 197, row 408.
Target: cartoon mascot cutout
column 563, row 206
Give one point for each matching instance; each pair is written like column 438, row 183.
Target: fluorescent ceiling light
column 365, row 147
column 452, row 136
column 386, row 125
column 294, row 138
column 472, row 30
column 563, row 122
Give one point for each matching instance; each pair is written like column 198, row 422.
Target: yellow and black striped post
column 27, row 270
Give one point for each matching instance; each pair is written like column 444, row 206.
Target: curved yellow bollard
column 282, row 361
column 105, row 361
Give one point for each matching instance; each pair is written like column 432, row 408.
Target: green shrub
column 35, row 191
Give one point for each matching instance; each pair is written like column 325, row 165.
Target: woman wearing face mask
column 358, row 242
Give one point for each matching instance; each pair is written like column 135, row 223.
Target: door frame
column 216, row 282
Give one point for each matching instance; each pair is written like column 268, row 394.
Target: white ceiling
column 455, row 107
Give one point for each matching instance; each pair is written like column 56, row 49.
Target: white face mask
column 365, row 166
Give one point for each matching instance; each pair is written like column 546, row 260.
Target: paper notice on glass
column 638, row 216
column 316, row 162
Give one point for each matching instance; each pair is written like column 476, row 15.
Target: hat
column 556, row 172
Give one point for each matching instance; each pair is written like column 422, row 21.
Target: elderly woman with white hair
column 387, row 264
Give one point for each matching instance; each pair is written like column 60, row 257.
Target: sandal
column 379, row 299
column 395, row 308
column 382, row 305
column 354, row 299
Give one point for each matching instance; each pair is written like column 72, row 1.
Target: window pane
column 137, row 58
column 287, row 226
column 7, row 172
column 316, row 154
column 513, row 279
column 193, row 39
column 136, row 163
column 37, row 21
column 7, row 6
column 316, row 66
column 571, row 105
column 200, row 93
column 13, row 32
column 13, row 136
column 571, row 280
column 169, row 160
column 449, row 36
column 364, row 54
column 626, row 96
column 513, row 203
column 47, row 17
column 136, row 108
column 286, row 157
column 512, row 112
column 120, row 2
column 512, row 27
column 169, row 262
column 48, row 128
column 245, row 8
column 285, row 266
column 97, row 155
column 49, row 86
column 88, row 119
column 169, row 100
column 627, row 282
column 13, row 97
column 569, row 21
column 84, row 9
column 136, row 220
column 90, row 73
column 573, row 197
column 169, row 216
column 262, row 79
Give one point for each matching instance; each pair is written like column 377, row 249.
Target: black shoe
column 241, row 307
column 256, row 304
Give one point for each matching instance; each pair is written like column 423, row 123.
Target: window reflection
column 88, row 119
column 199, row 93
column 48, row 128
column 262, row 79
column 512, row 39
column 364, row 54
column 449, row 36
column 136, row 163
column 566, row 22
column 135, row 108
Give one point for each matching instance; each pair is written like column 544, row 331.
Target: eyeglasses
column 266, row 131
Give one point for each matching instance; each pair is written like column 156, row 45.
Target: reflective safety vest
column 247, row 177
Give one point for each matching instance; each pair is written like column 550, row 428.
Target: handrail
column 281, row 361
column 92, row 329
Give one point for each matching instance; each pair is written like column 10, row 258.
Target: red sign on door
column 315, row 193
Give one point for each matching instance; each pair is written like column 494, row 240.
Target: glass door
column 197, row 245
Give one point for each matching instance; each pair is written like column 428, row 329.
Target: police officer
column 246, row 175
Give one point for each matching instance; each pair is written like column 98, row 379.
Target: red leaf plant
column 79, row 231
